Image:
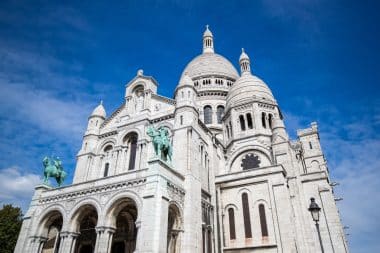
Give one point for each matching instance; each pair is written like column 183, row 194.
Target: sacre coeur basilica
column 212, row 170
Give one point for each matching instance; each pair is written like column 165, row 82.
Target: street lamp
column 314, row 210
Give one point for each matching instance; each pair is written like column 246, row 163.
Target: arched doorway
column 124, row 216
column 52, row 226
column 174, row 229
column 86, row 221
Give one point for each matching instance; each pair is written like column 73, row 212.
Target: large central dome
column 210, row 64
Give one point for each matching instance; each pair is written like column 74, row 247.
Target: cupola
column 208, row 41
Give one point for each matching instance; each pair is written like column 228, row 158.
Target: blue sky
column 320, row 58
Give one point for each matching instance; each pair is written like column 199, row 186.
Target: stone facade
column 237, row 183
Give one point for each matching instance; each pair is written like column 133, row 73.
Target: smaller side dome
column 248, row 86
column 99, row 111
column 186, row 81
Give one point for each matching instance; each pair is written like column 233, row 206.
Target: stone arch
column 52, row 208
column 178, row 210
column 262, row 153
column 72, row 217
column 126, row 132
column 108, row 209
column 231, row 205
column 314, row 165
column 136, row 86
column 260, row 201
column 106, row 142
column 174, row 228
column 84, row 221
column 242, row 190
column 50, row 227
column 122, row 214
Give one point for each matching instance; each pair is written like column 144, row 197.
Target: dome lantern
column 208, row 41
column 245, row 64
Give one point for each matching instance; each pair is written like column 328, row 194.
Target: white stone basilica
column 237, row 183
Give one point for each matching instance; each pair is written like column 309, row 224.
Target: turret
column 279, row 130
column 96, row 119
column 185, row 96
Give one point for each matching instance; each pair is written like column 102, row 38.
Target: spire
column 245, row 67
column 208, row 42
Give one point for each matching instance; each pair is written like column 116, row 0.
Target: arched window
column 263, row 221
column 249, row 121
column 263, row 120
column 106, row 168
column 270, row 119
column 310, row 145
column 219, row 112
column 242, row 122
column 207, row 111
column 231, row 132
column 231, row 219
column 246, row 216
column 133, row 148
column 108, row 148
column 181, row 119
column 228, row 132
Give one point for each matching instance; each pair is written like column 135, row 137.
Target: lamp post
column 314, row 210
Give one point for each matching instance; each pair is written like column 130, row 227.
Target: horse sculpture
column 53, row 168
column 161, row 143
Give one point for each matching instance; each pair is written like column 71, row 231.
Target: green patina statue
column 53, row 168
column 161, row 143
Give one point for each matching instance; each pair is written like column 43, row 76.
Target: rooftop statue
column 161, row 143
column 53, row 168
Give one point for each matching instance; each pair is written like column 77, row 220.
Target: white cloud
column 17, row 187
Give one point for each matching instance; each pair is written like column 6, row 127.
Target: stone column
column 123, row 159
column 143, row 155
column 138, row 155
column 104, row 239
column 37, row 243
column 138, row 225
column 68, row 240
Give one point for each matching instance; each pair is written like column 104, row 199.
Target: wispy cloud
column 17, row 187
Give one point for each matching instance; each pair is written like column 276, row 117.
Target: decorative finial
column 140, row 72
column 207, row 27
column 242, row 50
column 101, row 101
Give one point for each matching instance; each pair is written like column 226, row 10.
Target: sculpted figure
column 53, row 168
column 161, row 143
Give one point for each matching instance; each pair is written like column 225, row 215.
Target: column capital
column 103, row 229
column 69, row 233
column 38, row 238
